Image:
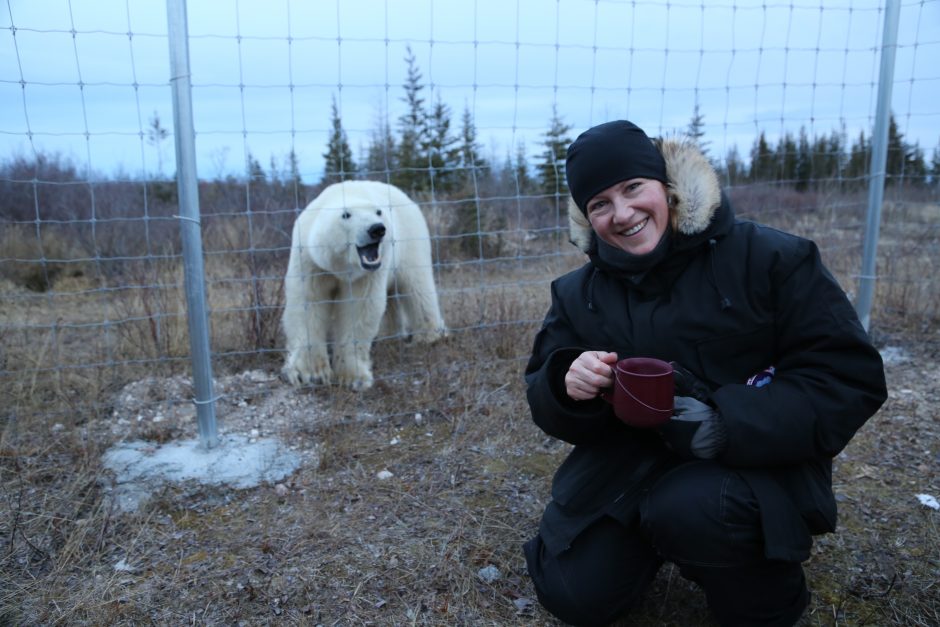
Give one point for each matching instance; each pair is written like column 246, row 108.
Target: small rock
column 384, row 474
column 57, row 427
column 281, row 490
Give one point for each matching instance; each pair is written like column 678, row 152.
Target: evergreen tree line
column 428, row 154
column 805, row 162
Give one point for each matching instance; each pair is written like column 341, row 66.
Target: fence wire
column 290, row 97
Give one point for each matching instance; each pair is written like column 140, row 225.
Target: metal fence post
column 879, row 151
column 187, row 184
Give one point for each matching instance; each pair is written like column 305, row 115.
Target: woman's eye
column 596, row 206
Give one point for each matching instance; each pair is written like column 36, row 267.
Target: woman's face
column 631, row 215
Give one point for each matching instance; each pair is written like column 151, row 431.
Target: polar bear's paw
column 359, row 382
column 428, row 335
column 299, row 371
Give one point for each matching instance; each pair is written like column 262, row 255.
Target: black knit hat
column 607, row 154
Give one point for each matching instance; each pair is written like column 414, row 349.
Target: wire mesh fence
column 466, row 108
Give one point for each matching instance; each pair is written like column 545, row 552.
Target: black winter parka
column 730, row 299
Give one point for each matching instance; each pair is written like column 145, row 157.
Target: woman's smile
column 636, row 229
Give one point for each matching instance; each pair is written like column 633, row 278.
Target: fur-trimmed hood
column 693, row 190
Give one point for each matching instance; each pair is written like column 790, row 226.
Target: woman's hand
column 590, row 372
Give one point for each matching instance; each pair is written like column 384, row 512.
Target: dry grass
column 336, row 545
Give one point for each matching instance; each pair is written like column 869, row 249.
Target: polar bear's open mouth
column 369, row 256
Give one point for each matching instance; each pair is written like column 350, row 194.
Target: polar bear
column 355, row 245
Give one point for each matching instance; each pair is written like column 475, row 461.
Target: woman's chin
column 636, row 247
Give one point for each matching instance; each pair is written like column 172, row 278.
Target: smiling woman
column 731, row 487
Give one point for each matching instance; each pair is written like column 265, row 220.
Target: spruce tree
column 803, row 172
column 734, row 169
column 471, row 169
column 381, row 162
column 905, row 160
column 894, row 167
column 915, row 166
column 156, row 134
column 762, row 160
column 551, row 169
column 826, row 159
column 859, row 160
column 696, row 130
column 254, row 171
column 295, row 181
column 440, row 149
column 786, row 158
column 470, row 161
column 411, row 173
column 339, row 164
column 521, row 169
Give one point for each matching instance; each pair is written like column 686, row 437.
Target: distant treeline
column 427, row 154
column 430, row 159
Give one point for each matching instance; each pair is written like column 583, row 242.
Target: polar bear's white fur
column 355, row 245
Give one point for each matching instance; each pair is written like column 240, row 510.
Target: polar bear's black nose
column 377, row 231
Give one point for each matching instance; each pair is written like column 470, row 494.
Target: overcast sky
column 85, row 77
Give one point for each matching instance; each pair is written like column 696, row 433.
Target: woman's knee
column 703, row 513
column 597, row 579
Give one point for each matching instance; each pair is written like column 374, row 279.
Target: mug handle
column 608, row 393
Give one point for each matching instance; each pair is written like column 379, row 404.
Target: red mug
column 642, row 394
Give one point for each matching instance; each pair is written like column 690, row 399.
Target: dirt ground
column 410, row 507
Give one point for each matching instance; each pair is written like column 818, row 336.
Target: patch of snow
column 123, row 567
column 928, row 501
column 139, row 466
column 489, row 573
column 894, row 355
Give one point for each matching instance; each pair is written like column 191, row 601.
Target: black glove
column 695, row 429
column 687, row 384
